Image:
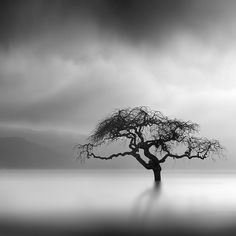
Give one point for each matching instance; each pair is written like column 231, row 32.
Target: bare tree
column 152, row 138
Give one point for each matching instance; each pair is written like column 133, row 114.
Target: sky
column 65, row 64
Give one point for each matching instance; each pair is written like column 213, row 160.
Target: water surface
column 88, row 198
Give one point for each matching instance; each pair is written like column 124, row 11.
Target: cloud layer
column 67, row 64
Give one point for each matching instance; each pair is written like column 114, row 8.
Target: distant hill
column 60, row 151
column 23, row 149
column 16, row 152
column 19, row 153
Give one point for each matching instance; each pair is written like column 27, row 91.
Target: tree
column 152, row 138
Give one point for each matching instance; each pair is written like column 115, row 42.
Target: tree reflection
column 147, row 205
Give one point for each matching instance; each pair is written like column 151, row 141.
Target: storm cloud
column 138, row 21
column 64, row 65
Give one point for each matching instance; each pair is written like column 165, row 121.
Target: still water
column 87, row 199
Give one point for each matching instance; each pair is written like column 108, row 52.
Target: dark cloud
column 26, row 19
column 139, row 20
column 134, row 20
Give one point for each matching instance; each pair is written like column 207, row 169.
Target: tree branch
column 141, row 161
column 163, row 159
column 86, row 151
column 111, row 156
column 175, row 156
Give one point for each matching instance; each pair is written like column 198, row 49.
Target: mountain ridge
column 18, row 152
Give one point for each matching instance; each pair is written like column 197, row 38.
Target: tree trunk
column 157, row 174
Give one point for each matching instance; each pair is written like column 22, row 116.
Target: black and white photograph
column 117, row 117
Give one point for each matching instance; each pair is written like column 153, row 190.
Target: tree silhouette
column 152, row 138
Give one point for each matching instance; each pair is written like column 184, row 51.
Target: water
column 89, row 199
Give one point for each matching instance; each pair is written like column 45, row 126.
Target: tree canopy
column 151, row 133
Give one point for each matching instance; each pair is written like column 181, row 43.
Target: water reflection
column 147, row 203
column 189, row 207
column 154, row 209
